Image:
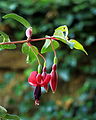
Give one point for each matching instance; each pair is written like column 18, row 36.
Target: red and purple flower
column 38, row 80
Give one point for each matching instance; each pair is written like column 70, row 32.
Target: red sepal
column 53, row 81
column 32, row 78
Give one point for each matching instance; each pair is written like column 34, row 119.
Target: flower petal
column 38, row 79
column 46, row 80
column 46, row 87
column 32, row 78
column 37, row 94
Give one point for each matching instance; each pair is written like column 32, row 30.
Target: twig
column 24, row 41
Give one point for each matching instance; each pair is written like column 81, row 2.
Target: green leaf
column 8, row 46
column 12, row 117
column 3, row 112
column 71, row 44
column 63, row 28
column 47, row 46
column 1, row 39
column 5, row 38
column 32, row 54
column 77, row 45
column 59, row 34
column 30, row 51
column 25, row 48
column 18, row 18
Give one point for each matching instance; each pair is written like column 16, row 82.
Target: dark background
column 75, row 98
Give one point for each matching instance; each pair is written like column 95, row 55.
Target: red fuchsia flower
column 54, row 78
column 36, row 79
column 29, row 32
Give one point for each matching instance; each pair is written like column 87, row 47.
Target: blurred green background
column 75, row 98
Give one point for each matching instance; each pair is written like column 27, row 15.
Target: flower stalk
column 26, row 41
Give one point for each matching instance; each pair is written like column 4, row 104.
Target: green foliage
column 31, row 52
column 11, row 117
column 3, row 112
column 59, row 34
column 77, row 45
column 47, row 47
column 18, row 18
column 4, row 115
column 25, row 48
column 80, row 17
column 5, row 38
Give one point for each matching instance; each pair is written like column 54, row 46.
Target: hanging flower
column 36, row 79
column 54, row 78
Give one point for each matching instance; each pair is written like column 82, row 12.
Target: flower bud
column 29, row 32
column 54, row 79
column 44, row 73
column 43, row 77
column 54, row 67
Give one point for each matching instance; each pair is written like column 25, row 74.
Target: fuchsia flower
column 54, row 78
column 41, row 80
column 38, row 80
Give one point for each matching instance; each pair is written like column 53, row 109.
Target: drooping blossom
column 54, row 78
column 36, row 79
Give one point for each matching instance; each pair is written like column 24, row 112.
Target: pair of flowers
column 42, row 80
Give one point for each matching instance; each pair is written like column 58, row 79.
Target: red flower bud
column 43, row 77
column 44, row 73
column 29, row 32
column 54, row 79
column 54, row 67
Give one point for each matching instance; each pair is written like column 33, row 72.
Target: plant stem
column 53, row 48
column 37, row 51
column 34, row 52
column 24, row 41
column 42, row 56
column 36, row 57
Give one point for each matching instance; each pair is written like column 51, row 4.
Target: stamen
column 36, row 102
